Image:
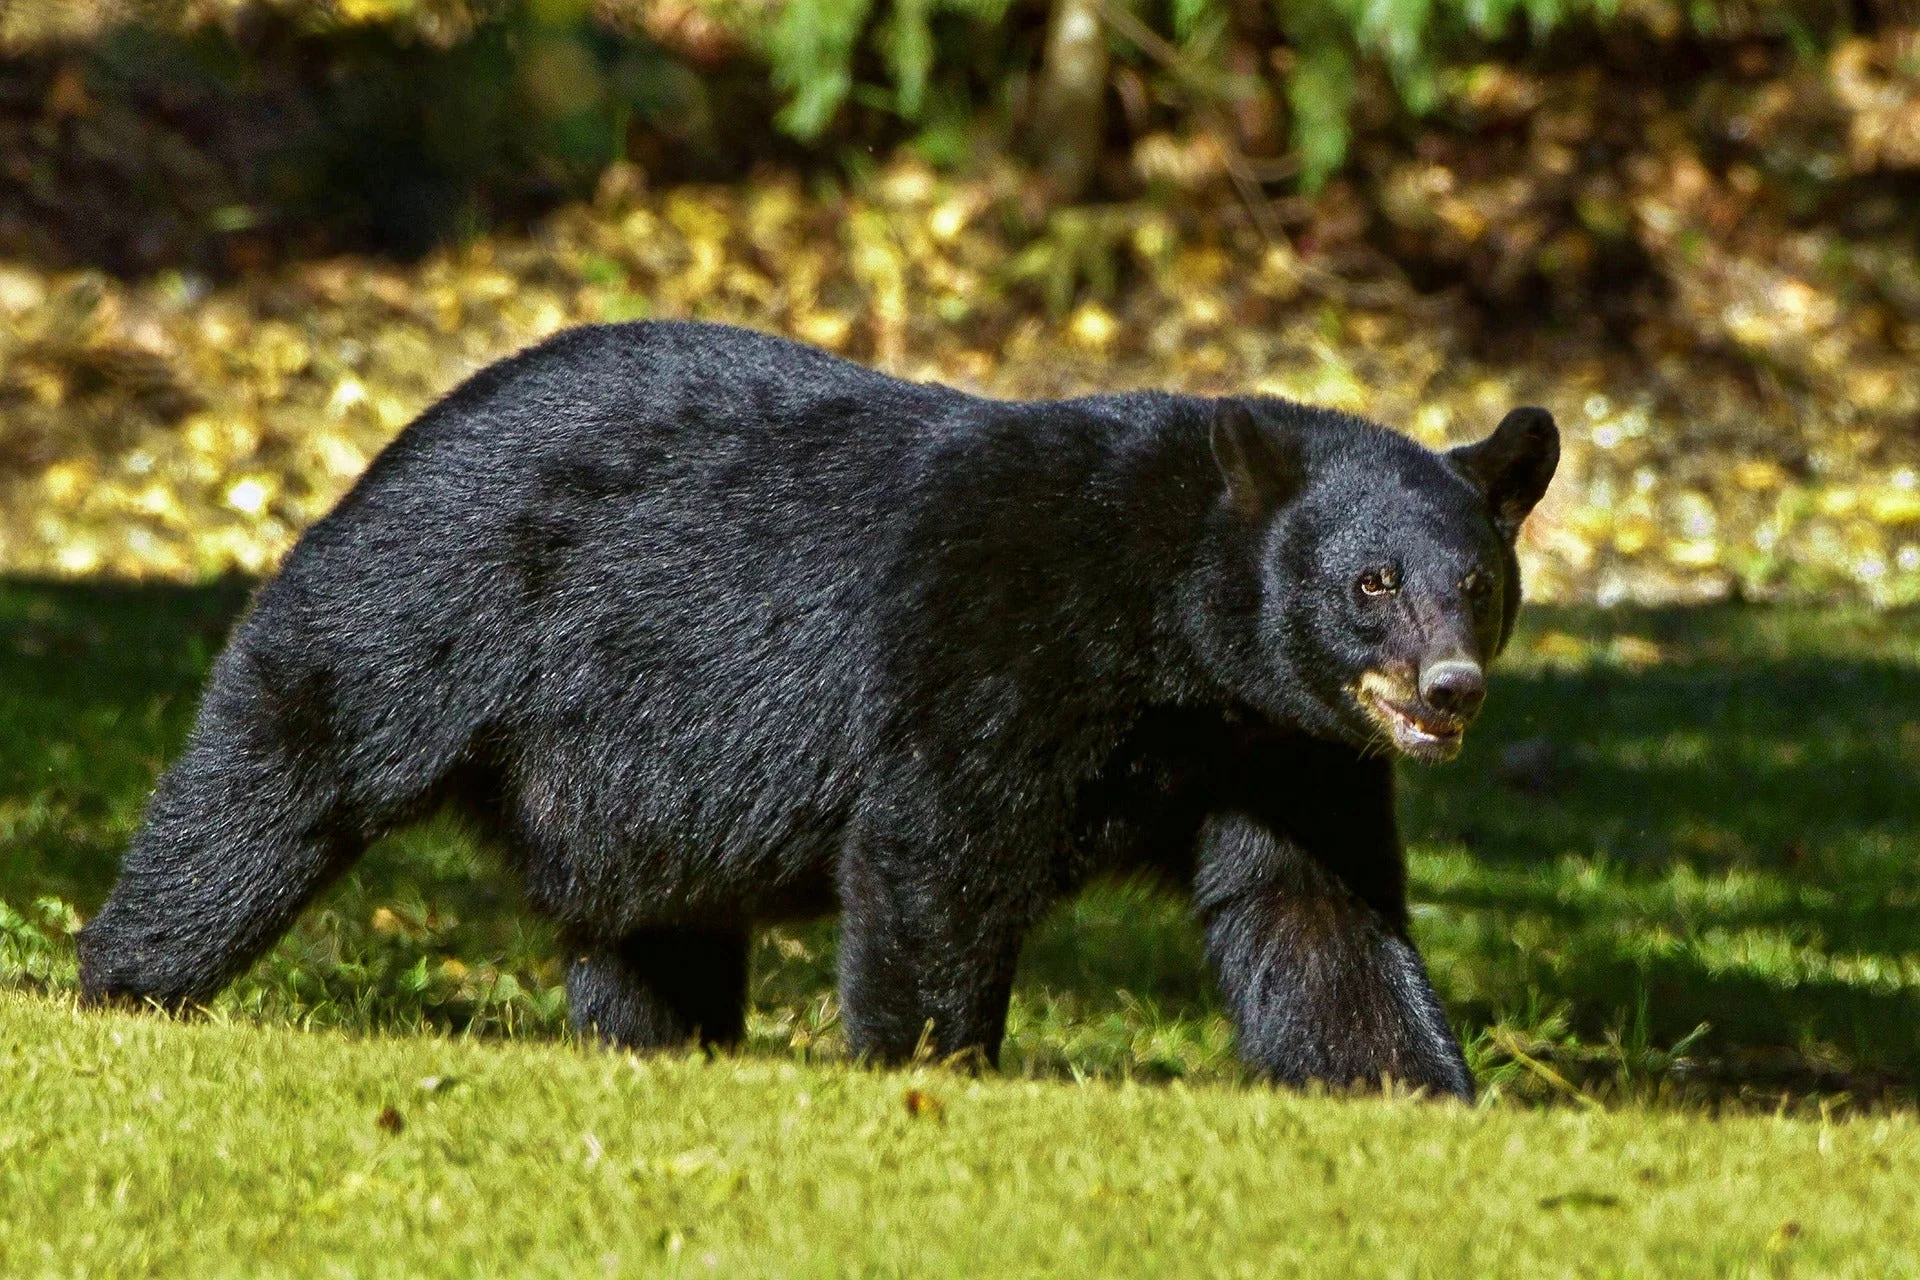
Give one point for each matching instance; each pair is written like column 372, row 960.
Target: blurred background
column 242, row 242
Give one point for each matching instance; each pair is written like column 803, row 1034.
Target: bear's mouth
column 1416, row 730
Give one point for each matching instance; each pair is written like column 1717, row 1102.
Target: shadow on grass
column 1722, row 830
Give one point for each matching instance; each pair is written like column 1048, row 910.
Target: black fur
column 709, row 629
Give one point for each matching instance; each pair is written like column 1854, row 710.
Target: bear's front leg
column 1323, row 983
column 926, row 961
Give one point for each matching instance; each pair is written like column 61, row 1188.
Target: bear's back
column 669, row 536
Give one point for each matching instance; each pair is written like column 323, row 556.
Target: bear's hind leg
column 657, row 988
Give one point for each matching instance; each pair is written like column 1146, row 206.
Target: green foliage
column 909, row 45
column 1410, row 37
column 1192, row 18
column 582, row 86
column 814, row 44
column 35, row 950
column 1081, row 247
column 1321, row 91
column 811, row 47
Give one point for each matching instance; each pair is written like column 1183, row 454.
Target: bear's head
column 1368, row 581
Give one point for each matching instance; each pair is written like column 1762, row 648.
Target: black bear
column 707, row 629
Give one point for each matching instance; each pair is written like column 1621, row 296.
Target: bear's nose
column 1455, row 686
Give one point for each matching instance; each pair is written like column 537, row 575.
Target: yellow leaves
column 1496, row 91
column 907, row 183
column 1886, row 388
column 348, row 393
column 773, row 220
column 64, row 483
column 1798, row 307
column 251, row 495
column 394, row 412
column 829, row 329
column 1679, row 477
column 1154, row 239
column 1093, row 326
column 408, row 353
column 222, row 437
column 1203, row 311
column 220, row 326
column 1635, row 652
column 1280, row 273
column 1188, row 164
column 1896, row 506
column 880, row 267
column 1758, row 475
column 1839, row 501
column 479, row 288
column 277, row 351
column 1634, row 534
column 1877, row 82
column 368, row 11
column 1466, row 220
column 1432, row 425
column 1694, row 553
column 161, row 503
column 21, row 291
column 46, row 385
column 443, row 303
column 1200, row 268
column 336, row 455
column 1330, row 380
column 947, row 221
column 227, row 548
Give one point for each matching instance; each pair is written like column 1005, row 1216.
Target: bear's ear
column 1263, row 468
column 1513, row 466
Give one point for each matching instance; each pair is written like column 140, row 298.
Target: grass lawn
column 130, row 1145
column 1670, row 894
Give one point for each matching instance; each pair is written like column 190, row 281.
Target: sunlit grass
column 138, row 1145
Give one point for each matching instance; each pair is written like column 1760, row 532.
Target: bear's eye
column 1476, row 584
column 1379, row 582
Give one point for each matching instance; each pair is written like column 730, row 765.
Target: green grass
column 133, row 1145
column 1684, row 906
